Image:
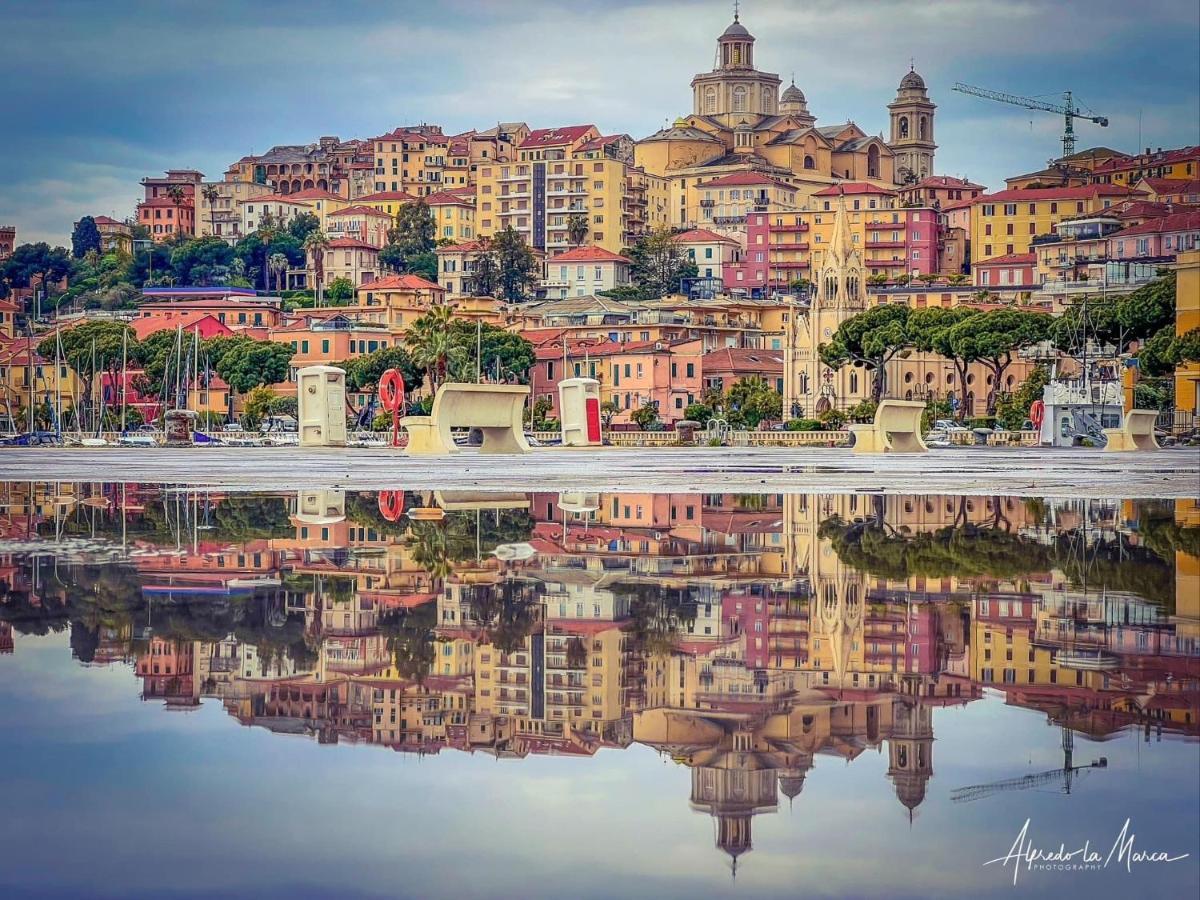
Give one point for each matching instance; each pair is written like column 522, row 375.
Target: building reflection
column 741, row 636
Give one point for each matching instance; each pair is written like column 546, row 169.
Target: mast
column 29, row 373
column 58, row 381
column 124, row 363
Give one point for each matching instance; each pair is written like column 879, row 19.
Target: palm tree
column 315, row 246
column 175, row 192
column 577, row 229
column 430, row 344
column 211, row 196
column 278, row 264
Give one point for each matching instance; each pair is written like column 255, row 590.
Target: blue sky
column 98, row 95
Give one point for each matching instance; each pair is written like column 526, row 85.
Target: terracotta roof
column 1170, row 186
column 1085, row 192
column 412, row 136
column 589, row 254
column 148, row 325
column 539, row 336
column 272, row 198
column 957, row 204
column 555, row 137
column 360, row 211
column 853, row 187
column 602, row 348
column 352, row 243
column 106, row 220
column 407, row 281
column 737, row 178
column 467, row 191
column 702, row 236
column 402, row 196
column 1010, row 259
column 1145, row 209
column 466, row 247
column 1180, row 154
column 947, row 181
column 742, row 361
column 601, row 142
column 1180, row 221
column 445, row 198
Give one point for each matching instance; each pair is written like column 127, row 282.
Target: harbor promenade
column 978, row 470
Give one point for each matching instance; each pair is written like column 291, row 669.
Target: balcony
column 885, row 226
column 793, row 264
column 790, row 246
column 802, row 226
column 882, row 245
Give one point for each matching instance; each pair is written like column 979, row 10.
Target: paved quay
column 1019, row 472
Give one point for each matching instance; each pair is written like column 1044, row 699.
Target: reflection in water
column 741, row 636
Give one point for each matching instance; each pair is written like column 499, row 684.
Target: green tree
column 245, row 363
column 929, row 331
column 36, row 264
column 431, row 344
column 315, row 244
column 203, row 261
column 645, row 417
column 751, row 400
column 870, row 340
column 257, row 407
column 485, row 275
column 211, row 195
column 577, row 229
column 993, row 339
column 91, row 348
column 659, row 262
column 85, row 238
column 699, row 412
column 391, row 258
column 516, row 266
column 339, row 290
column 363, row 372
column 1155, row 355
column 415, row 230
column 177, row 196
column 301, row 226
column 502, row 351
column 1013, row 409
column 278, row 264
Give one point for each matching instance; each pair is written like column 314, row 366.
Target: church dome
column 792, row 94
column 736, row 30
column 912, row 81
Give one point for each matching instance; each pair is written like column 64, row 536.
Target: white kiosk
column 321, row 406
column 579, row 412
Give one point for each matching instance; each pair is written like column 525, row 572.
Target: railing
column 788, row 438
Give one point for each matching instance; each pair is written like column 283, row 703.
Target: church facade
column 741, row 124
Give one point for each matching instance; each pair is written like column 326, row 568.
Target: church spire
column 842, row 242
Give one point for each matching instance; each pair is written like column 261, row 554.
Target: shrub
column 804, row 425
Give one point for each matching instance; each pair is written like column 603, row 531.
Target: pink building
column 748, row 614
column 1157, row 239
column 1013, row 270
column 362, row 223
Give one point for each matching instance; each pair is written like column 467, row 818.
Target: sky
column 98, row 95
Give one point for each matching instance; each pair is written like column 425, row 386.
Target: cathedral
column 741, row 124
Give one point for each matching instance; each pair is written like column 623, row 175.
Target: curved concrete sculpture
column 495, row 409
column 896, row 429
column 1135, row 433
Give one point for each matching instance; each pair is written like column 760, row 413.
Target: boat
column 137, row 440
column 93, row 442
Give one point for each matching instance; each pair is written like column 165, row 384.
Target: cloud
column 137, row 87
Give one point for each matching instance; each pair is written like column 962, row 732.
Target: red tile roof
column 601, row 142
column 1084, row 192
column 1182, row 154
column 1180, row 221
column 147, row 325
column 737, row 178
column 360, row 211
column 1167, row 186
column 403, row 134
column 957, row 204
column 741, row 361
column 853, row 187
column 351, row 244
column 948, row 181
column 466, row 247
column 555, row 137
column 445, row 198
column 407, row 281
column 1010, row 259
column 106, row 220
column 402, row 196
column 311, row 194
column 702, row 236
column 589, row 254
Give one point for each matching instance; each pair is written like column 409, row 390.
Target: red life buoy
column 391, row 505
column 1037, row 412
column 391, row 390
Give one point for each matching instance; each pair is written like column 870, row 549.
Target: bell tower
column 912, row 129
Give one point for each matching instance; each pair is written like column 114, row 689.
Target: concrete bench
column 495, row 409
column 896, row 429
column 1135, row 433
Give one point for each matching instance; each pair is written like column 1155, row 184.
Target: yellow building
column 1007, row 222
column 453, row 216
column 55, row 387
column 741, row 124
column 563, row 176
column 218, row 208
column 386, row 201
column 413, row 160
column 1187, row 318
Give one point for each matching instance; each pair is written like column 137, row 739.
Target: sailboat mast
column 58, row 367
column 124, row 376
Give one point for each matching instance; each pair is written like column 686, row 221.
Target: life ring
column 391, row 505
column 391, row 390
column 1037, row 413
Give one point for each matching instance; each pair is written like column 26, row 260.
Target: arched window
column 873, row 161
column 809, row 162
column 739, row 99
column 853, row 382
column 710, row 101
column 768, row 100
column 921, row 128
column 904, row 126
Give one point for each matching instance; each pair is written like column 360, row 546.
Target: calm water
column 689, row 695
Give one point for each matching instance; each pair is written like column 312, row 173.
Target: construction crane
column 1068, row 110
column 1064, row 776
